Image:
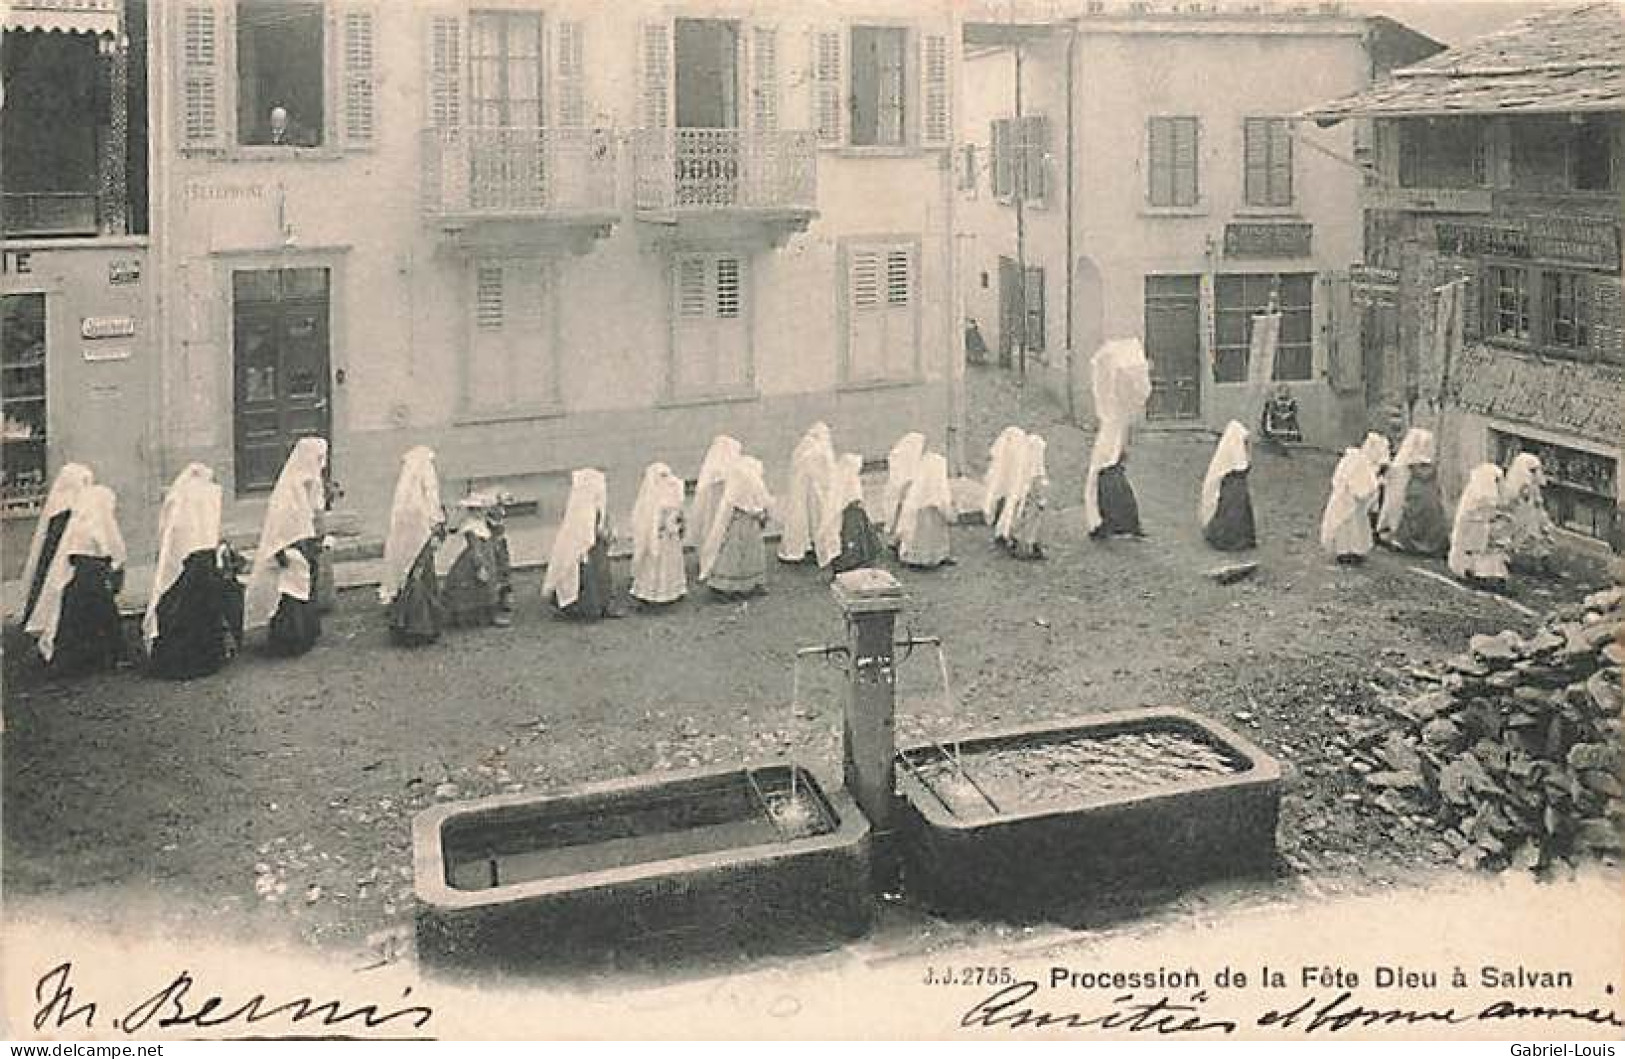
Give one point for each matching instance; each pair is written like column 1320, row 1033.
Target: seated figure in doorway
column 1279, row 424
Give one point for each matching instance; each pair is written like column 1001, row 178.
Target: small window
column 1034, row 305
column 1267, row 150
column 1509, row 302
column 1238, row 298
column 280, row 74
column 1566, row 303
column 22, row 360
column 1172, row 162
column 879, row 88
column 1592, row 155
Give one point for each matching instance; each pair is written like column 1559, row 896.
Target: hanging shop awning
column 99, row 17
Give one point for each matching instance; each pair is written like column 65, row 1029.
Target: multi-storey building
column 1134, row 169
column 76, row 337
column 538, row 235
column 1493, row 283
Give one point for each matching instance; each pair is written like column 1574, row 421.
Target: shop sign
column 107, row 327
column 1583, row 242
column 1253, row 239
column 122, row 273
column 1372, row 285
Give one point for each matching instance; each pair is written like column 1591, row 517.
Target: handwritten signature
column 176, row 1006
column 1007, row 1008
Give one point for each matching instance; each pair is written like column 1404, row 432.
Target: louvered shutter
column 829, row 87
column 935, row 113
column 202, row 111
column 1000, row 135
column 569, row 74
column 866, row 315
column 1187, row 187
column 486, row 372
column 654, row 51
column 1159, row 161
column 1255, row 161
column 1280, row 163
column 1034, row 158
column 446, row 71
column 898, row 362
column 357, row 76
column 764, row 68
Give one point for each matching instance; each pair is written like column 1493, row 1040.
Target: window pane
column 1293, row 363
column 280, row 67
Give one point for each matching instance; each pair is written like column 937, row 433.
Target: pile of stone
column 1516, row 753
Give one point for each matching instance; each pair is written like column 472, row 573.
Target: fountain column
column 870, row 599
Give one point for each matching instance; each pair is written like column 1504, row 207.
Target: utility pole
column 1023, row 156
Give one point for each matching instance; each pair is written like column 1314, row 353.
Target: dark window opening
column 1593, row 155
column 22, row 362
column 1238, row 298
column 1540, row 153
column 54, row 109
column 1443, row 153
column 279, row 73
column 879, row 86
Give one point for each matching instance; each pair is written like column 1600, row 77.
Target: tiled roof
column 1564, row 61
column 1578, row 398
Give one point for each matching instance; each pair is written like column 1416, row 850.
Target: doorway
column 281, row 357
column 706, row 56
column 1173, row 345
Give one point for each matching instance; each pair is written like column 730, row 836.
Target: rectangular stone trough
column 680, row 859
column 1018, row 822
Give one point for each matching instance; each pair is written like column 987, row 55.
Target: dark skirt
column 195, row 621
column 1119, row 511
column 860, row 544
column 597, row 590
column 1231, row 527
column 471, row 584
column 47, row 552
column 88, row 636
column 416, row 612
column 297, row 623
column 1423, row 528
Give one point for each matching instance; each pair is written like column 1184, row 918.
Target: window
column 1267, row 149
column 511, row 366
column 1238, row 298
column 1591, row 154
column 879, row 80
column 505, row 69
column 1443, row 153
column 1581, row 487
column 711, row 347
column 1566, row 298
column 279, row 73
column 1034, row 303
column 1565, row 153
column 1020, row 157
column 22, row 365
column 1541, row 308
column 882, row 294
column 1172, row 166
column 1509, row 303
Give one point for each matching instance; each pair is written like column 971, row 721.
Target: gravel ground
column 275, row 799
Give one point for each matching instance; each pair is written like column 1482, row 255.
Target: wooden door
column 281, row 357
column 1173, row 345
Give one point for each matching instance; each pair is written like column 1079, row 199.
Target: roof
column 1556, row 62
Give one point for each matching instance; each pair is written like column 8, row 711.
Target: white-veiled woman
column 708, row 488
column 1345, row 525
column 53, row 520
column 410, row 588
column 1378, row 456
column 1226, row 507
column 1529, row 525
column 194, row 618
column 658, row 575
column 1003, row 467
column 281, row 586
column 76, row 621
column 1478, row 538
column 812, row 466
column 928, row 513
column 1413, row 518
column 733, row 560
column 1122, row 385
column 1021, row 521
column 847, row 539
column 578, row 576
column 902, row 463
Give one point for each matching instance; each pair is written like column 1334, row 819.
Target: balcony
column 48, row 214
column 704, row 181
column 561, row 179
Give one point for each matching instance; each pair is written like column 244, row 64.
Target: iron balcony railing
column 721, row 169
column 502, row 172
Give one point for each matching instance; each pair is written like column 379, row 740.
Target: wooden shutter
column 654, row 52
column 710, row 332
column 1255, row 161
column 202, row 112
column 764, row 69
column 1159, row 161
column 901, row 296
column 511, row 360
column 1280, row 175
column 486, row 373
column 569, row 74
column 446, row 71
column 881, row 296
column 1187, row 182
column 357, row 76
column 1000, row 136
column 1034, row 154
column 935, row 112
column 829, row 87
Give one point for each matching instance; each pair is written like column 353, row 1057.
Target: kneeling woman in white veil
column 280, row 588
column 578, row 577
